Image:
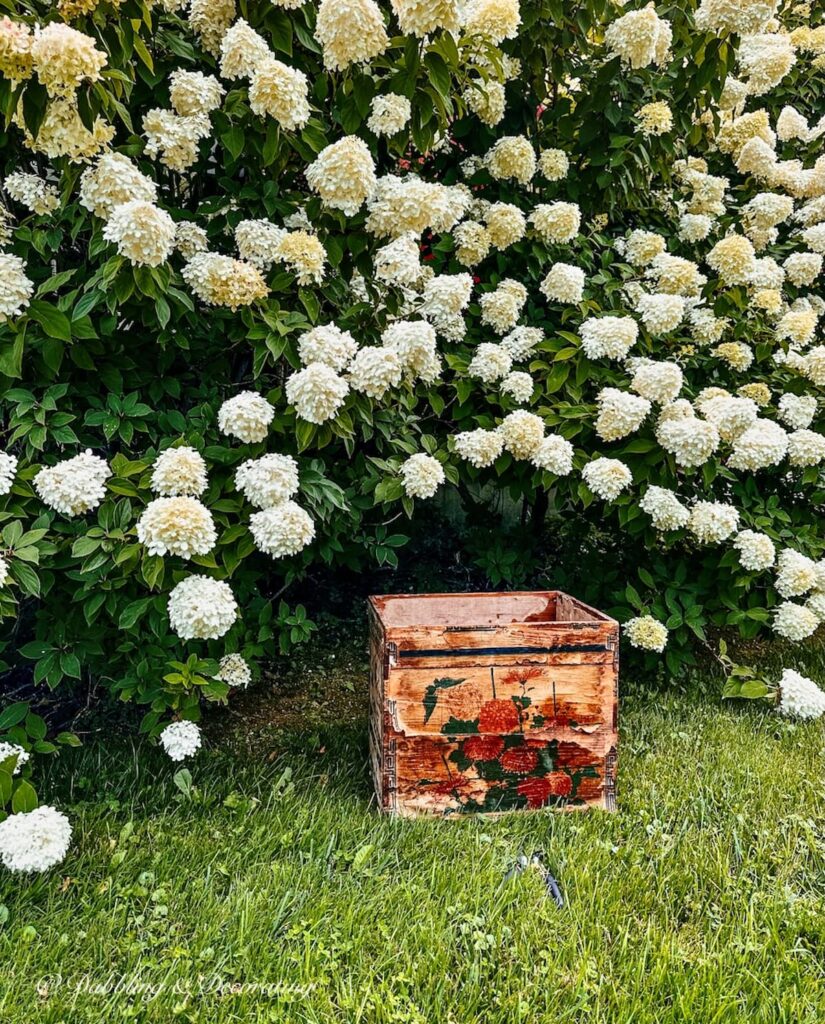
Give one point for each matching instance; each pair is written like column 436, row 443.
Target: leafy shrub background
column 125, row 361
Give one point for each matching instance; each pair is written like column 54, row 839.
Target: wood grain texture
column 490, row 715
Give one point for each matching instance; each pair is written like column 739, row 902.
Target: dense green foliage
column 124, row 360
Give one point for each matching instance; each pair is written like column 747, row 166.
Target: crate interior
column 473, row 610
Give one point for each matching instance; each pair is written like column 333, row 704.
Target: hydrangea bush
column 274, row 275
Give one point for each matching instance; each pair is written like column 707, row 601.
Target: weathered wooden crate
column 492, row 702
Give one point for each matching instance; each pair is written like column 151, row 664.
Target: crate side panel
column 527, row 640
column 377, row 724
column 498, row 699
column 473, row 774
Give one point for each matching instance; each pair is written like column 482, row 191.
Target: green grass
column 702, row 901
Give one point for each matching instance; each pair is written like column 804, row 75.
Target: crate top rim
column 379, row 603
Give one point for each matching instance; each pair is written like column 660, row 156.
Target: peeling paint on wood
column 492, row 702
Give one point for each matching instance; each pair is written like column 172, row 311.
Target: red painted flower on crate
column 521, row 760
column 483, row 748
column 498, row 716
column 539, row 790
column 522, row 676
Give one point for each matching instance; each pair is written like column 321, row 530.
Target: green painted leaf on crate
column 431, row 694
column 460, row 726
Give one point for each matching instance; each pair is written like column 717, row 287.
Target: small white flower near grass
column 34, row 840
column 181, row 740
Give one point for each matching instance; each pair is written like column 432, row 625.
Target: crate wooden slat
column 490, row 702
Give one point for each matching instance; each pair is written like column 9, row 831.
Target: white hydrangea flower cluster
column 806, row 448
column 421, row 475
column 640, row 37
column 246, row 416
column 398, row 262
column 190, row 238
column 143, row 233
column 620, row 413
column 327, row 344
column 502, row 307
column 222, row 281
column 479, row 447
column 234, row 670
column 794, row 621
column 490, row 363
column 756, row 550
column 689, row 440
column 731, row 415
column 607, row 478
column 350, row 32
column 400, row 205
column 179, row 471
column 259, row 242
column 34, row 841
column 64, row 59
column 181, row 740
column 796, row 574
column 486, row 99
column 512, row 157
column 173, row 140
column 664, row 509
column 610, row 337
column 496, row 20
column 415, row 343
column 304, row 255
column 556, row 223
column 192, row 92
column 800, row 697
column 283, row 529
column 112, row 181
column 180, row 526
column 554, row 164
column 16, row 289
column 522, row 433
column 658, row 382
column 209, row 20
column 554, row 455
column 268, row 480
column 33, row 192
column 522, row 341
column 642, row 247
column 660, row 312
column 564, row 283
column 390, row 114
column 422, row 17
column 803, row 268
column 8, row 470
column 317, row 392
column 711, row 522
column 374, row 370
column 763, row 444
column 201, row 608
column 343, row 175
column 741, row 17
column 504, row 225
column 646, row 633
column 74, row 486
column 654, row 118
column 518, row 385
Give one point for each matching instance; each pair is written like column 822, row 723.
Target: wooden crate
column 492, row 702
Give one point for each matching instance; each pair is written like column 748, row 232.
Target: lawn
column 272, row 891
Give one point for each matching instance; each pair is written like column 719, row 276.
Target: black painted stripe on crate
column 467, row 652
